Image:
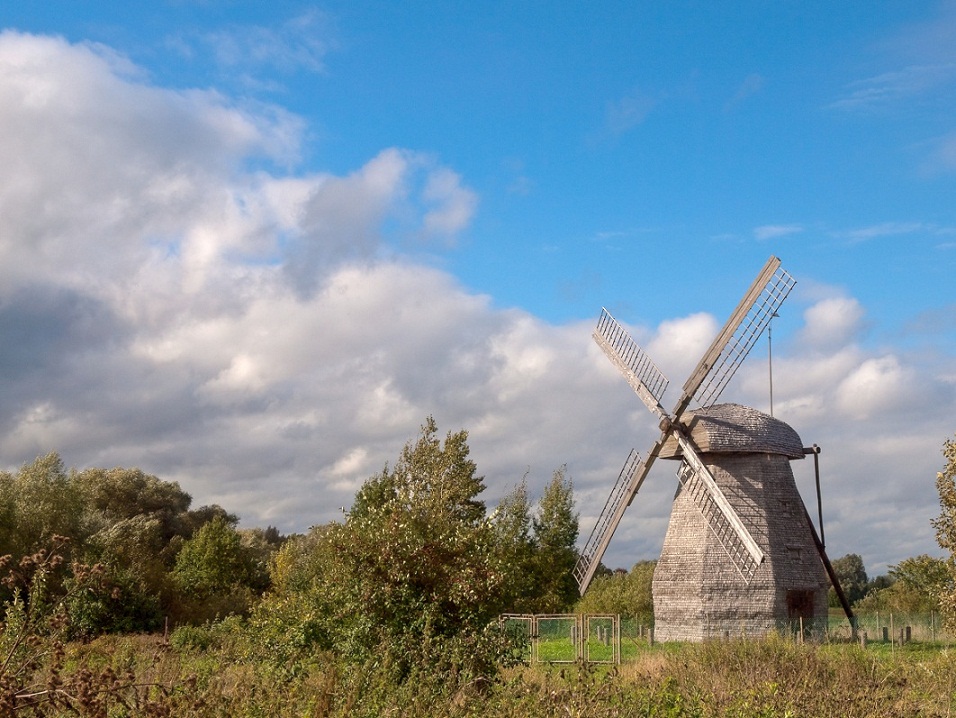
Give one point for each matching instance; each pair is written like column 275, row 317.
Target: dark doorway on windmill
column 800, row 609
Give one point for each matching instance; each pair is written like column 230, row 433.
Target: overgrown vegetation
column 390, row 611
column 156, row 559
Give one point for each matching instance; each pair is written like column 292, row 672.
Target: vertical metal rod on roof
column 770, row 356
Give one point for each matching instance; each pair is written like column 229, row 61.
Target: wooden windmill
column 741, row 554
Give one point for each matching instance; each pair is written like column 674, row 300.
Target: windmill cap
column 735, row 429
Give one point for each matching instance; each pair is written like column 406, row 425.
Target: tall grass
column 142, row 675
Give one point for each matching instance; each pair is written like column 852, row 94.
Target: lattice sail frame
column 735, row 349
column 617, row 502
column 705, row 384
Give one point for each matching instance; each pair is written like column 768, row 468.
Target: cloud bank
column 174, row 297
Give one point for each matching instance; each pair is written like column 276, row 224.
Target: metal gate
column 565, row 637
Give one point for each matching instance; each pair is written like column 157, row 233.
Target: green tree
column 852, row 576
column 915, row 585
column 133, row 587
column 945, row 525
column 216, row 574
column 628, row 593
column 516, row 550
column 41, row 501
column 120, row 493
column 555, row 535
column 411, row 575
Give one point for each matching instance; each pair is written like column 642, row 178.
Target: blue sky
column 250, row 246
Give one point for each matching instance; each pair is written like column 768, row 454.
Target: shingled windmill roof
column 736, row 429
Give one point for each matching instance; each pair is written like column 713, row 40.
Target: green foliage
column 217, row 575
column 852, row 576
column 516, row 548
column 916, row 586
column 627, row 594
column 412, row 572
column 40, row 501
column 945, row 525
column 111, row 600
column 120, row 494
column 131, row 526
column 555, row 534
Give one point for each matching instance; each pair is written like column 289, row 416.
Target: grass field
column 771, row 678
column 205, row 672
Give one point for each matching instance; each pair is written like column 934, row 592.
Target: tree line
column 414, row 574
column 418, row 559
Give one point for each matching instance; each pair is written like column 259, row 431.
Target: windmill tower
column 741, row 554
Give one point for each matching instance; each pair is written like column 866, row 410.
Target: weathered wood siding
column 698, row 594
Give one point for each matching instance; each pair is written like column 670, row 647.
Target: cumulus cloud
column 260, row 337
column 832, row 322
column 876, row 385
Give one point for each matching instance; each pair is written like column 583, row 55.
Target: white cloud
column 894, row 87
column 242, row 52
column 258, row 337
column 771, row 231
column 451, row 205
column 876, row 385
column 678, row 344
column 884, row 229
column 832, row 322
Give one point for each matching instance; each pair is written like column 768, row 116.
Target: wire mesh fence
column 569, row 638
column 565, row 637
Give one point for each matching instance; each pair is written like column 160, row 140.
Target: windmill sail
column 649, row 384
column 731, row 346
column 627, row 484
column 641, row 373
column 739, row 545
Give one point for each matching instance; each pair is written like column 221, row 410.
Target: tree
column 216, row 573
column 516, row 550
column 555, row 534
column 915, row 586
column 412, row 574
column 42, row 501
column 627, row 593
column 133, row 586
column 121, row 493
column 945, row 525
column 852, row 575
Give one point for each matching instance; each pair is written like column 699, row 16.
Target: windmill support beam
column 831, row 573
